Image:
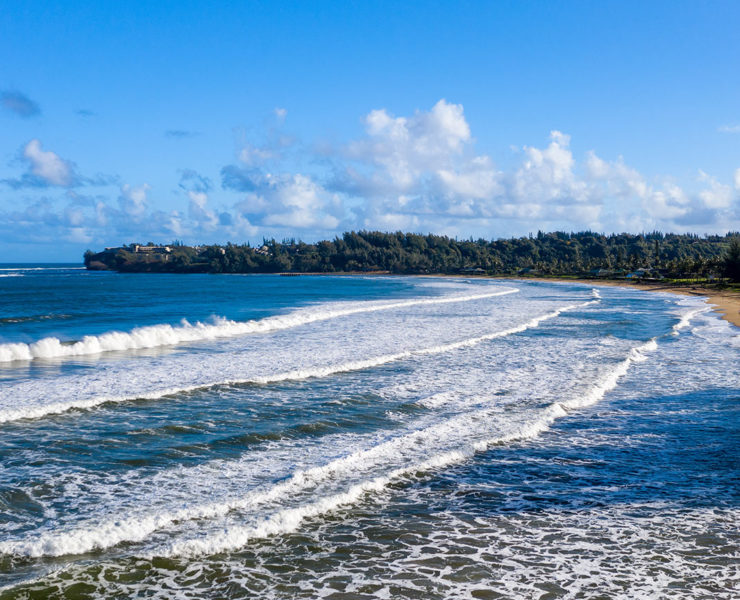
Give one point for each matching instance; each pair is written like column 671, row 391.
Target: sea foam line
column 35, row 412
column 109, row 533
column 290, row 519
column 42, row 269
column 153, row 336
column 687, row 317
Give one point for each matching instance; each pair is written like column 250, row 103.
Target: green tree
column 731, row 262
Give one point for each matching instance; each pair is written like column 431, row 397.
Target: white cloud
column 547, row 174
column 420, row 172
column 291, row 201
column 133, row 200
column 478, row 180
column 47, row 165
column 729, row 129
column 715, row 195
column 407, row 149
column 199, row 213
column 252, row 156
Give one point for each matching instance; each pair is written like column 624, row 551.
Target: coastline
column 726, row 303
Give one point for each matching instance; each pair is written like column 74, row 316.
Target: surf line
column 35, row 412
column 290, row 519
column 153, row 336
column 110, row 533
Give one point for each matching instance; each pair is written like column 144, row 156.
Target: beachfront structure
column 152, row 249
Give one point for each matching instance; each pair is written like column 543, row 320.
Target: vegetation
column 651, row 255
column 732, row 260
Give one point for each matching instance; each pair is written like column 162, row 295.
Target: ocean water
column 198, row 436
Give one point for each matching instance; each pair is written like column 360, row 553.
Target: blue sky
column 215, row 122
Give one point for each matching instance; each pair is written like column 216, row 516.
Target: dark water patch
column 32, row 318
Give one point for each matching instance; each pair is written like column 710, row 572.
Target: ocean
column 348, row 437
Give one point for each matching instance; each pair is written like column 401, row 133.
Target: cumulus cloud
column 133, row 200
column 406, row 150
column 420, row 172
column 19, row 104
column 423, row 171
column 47, row 165
column 45, row 168
column 293, row 201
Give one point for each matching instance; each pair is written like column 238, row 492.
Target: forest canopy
column 558, row 253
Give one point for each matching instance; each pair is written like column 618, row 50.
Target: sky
column 215, row 122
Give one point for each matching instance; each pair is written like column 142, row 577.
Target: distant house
column 161, row 253
column 152, row 249
column 262, row 250
column 473, row 271
column 644, row 274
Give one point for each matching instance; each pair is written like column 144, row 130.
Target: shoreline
column 726, row 304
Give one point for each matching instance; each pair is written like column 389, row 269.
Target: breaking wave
column 38, row 411
column 324, row 488
column 154, row 336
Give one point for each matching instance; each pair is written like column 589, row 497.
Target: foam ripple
column 326, row 487
column 154, row 336
column 13, row 413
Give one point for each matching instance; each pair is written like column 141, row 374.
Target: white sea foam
column 687, row 317
column 598, row 391
column 167, row 335
column 435, row 446
column 448, row 442
column 326, row 487
column 547, row 539
column 13, row 412
column 459, row 429
column 42, row 269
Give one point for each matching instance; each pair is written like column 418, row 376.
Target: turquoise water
column 208, row 436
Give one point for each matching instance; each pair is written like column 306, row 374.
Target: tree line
column 558, row 253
